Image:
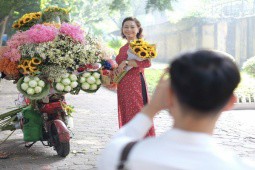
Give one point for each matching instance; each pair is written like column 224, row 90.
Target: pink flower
column 18, row 39
column 40, row 33
column 73, row 31
column 13, row 54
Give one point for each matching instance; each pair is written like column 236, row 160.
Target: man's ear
column 230, row 104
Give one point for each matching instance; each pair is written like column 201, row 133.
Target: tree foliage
column 11, row 10
column 150, row 5
column 87, row 13
column 17, row 7
column 249, row 66
column 158, row 5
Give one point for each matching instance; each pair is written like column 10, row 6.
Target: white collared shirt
column 175, row 149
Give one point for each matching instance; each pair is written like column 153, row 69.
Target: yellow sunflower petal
column 22, row 69
column 25, row 62
column 143, row 54
column 31, row 65
column 36, row 61
column 33, row 69
column 137, row 49
column 16, row 25
column 139, row 41
column 27, row 19
column 27, row 68
column 153, row 54
column 21, row 22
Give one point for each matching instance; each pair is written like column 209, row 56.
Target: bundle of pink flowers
column 74, row 31
column 17, row 40
column 40, row 33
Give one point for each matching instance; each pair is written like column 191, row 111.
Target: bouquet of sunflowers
column 138, row 50
column 142, row 49
column 27, row 21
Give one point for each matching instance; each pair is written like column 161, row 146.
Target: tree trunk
column 2, row 28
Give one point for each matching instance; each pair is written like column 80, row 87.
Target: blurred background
column 173, row 25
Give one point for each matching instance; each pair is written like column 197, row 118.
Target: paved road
column 96, row 121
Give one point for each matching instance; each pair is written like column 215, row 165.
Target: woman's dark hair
column 204, row 80
column 139, row 34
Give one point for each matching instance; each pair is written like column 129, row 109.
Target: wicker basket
column 106, row 79
column 117, row 76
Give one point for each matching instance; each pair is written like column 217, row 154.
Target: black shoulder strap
column 124, row 154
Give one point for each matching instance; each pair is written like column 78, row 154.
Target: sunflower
column 15, row 25
column 33, row 69
column 38, row 14
column 27, row 69
column 27, row 19
column 137, row 49
column 30, row 64
column 21, row 22
column 145, row 47
column 36, row 61
column 153, row 53
column 22, row 69
column 139, row 41
column 145, row 43
column 132, row 45
column 143, row 54
column 25, row 62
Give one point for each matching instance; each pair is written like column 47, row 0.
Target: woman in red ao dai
column 132, row 89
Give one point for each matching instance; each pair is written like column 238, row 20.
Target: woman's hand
column 132, row 63
column 122, row 66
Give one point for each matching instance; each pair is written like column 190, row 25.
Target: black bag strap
column 124, row 155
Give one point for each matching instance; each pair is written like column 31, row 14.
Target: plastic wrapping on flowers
column 107, row 74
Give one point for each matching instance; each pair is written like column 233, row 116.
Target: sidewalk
column 96, row 121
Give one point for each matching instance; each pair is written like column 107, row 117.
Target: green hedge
column 249, row 67
column 246, row 86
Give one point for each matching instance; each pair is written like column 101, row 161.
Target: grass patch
column 152, row 77
column 246, row 86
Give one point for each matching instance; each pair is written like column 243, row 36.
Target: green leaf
column 44, row 93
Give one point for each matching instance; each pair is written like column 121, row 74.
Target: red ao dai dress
column 132, row 90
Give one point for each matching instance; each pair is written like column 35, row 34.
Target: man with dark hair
column 200, row 87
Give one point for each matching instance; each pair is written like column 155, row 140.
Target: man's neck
column 189, row 123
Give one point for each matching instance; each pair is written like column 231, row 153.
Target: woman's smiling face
column 130, row 30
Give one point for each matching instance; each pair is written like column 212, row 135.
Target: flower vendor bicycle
column 54, row 129
column 48, row 60
column 41, row 121
column 47, row 122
